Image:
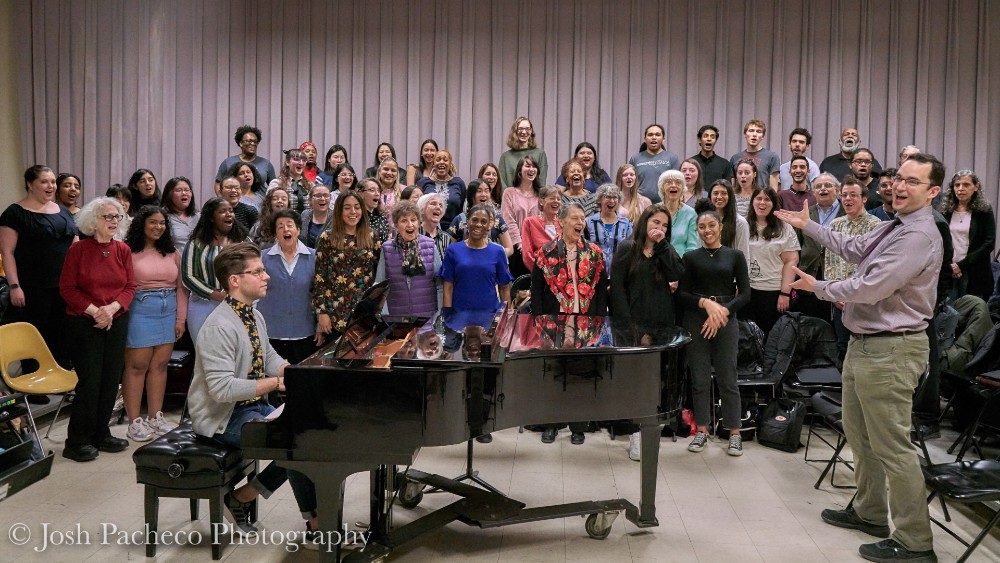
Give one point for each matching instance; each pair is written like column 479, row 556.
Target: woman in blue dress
column 475, row 275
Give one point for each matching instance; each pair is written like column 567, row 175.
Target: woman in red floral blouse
column 570, row 278
column 346, row 255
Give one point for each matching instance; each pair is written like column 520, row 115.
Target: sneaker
column 735, row 445
column 699, row 442
column 312, row 539
column 891, row 550
column 634, row 441
column 139, row 431
column 847, row 518
column 239, row 514
column 159, row 425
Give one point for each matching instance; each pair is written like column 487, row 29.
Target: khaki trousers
column 880, row 375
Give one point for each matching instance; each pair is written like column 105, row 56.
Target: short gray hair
column 87, row 218
column 833, row 179
column 607, row 190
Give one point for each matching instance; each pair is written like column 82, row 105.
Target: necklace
column 712, row 252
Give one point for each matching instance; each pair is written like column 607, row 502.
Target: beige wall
column 11, row 161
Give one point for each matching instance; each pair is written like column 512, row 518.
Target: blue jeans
column 273, row 476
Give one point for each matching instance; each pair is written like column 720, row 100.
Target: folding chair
column 20, row 342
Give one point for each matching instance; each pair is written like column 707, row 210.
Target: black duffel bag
column 781, row 425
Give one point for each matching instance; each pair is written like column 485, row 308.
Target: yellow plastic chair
column 22, row 341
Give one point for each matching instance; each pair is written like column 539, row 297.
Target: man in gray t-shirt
column 653, row 160
column 247, row 138
column 768, row 162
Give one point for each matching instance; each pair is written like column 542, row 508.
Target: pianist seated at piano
column 569, row 277
column 410, row 263
column 645, row 264
column 235, row 368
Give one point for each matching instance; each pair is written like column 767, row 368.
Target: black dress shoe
column 39, row 399
column 891, row 550
column 82, row 453
column 485, row 438
column 577, row 438
column 111, row 445
column 849, row 519
column 549, row 435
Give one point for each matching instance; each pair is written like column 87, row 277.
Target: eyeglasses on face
column 258, row 273
column 910, row 182
column 111, row 218
column 249, row 142
column 866, row 161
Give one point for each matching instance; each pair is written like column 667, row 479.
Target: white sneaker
column 634, row 440
column 699, row 442
column 735, row 445
column 139, row 431
column 160, row 425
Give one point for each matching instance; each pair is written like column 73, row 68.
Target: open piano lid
column 369, row 340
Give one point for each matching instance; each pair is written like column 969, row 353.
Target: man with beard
column 713, row 166
column 885, row 212
column 767, row 161
column 799, row 194
column 799, row 141
column 861, row 168
column 839, row 164
column 826, row 208
column 247, row 138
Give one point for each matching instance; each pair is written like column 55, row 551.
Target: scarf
column 555, row 267
column 413, row 263
column 245, row 313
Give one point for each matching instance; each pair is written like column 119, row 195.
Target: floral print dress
column 342, row 277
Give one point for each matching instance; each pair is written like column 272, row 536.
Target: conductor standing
column 887, row 306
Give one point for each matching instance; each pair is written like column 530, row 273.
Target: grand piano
column 391, row 386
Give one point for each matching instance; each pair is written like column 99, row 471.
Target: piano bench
column 181, row 464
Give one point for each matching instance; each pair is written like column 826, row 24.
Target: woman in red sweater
column 540, row 229
column 97, row 284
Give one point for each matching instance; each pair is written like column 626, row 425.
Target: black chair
column 827, row 411
column 964, row 482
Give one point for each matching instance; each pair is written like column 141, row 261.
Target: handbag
column 781, row 425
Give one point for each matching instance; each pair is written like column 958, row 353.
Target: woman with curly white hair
column 98, row 284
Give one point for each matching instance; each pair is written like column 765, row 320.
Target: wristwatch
column 15, row 286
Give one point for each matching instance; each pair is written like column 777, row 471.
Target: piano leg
column 650, row 453
column 329, row 480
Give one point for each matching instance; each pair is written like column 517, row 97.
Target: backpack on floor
column 781, row 425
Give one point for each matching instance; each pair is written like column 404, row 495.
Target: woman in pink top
column 540, row 229
column 159, row 311
column 519, row 202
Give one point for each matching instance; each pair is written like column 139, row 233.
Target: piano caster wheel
column 598, row 525
column 410, row 494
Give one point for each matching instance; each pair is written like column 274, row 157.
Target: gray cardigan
column 222, row 367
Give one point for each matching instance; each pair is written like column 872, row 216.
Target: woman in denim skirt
column 157, row 318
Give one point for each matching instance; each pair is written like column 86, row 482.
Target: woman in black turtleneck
column 714, row 286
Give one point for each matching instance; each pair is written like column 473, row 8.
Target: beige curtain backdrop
column 108, row 86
